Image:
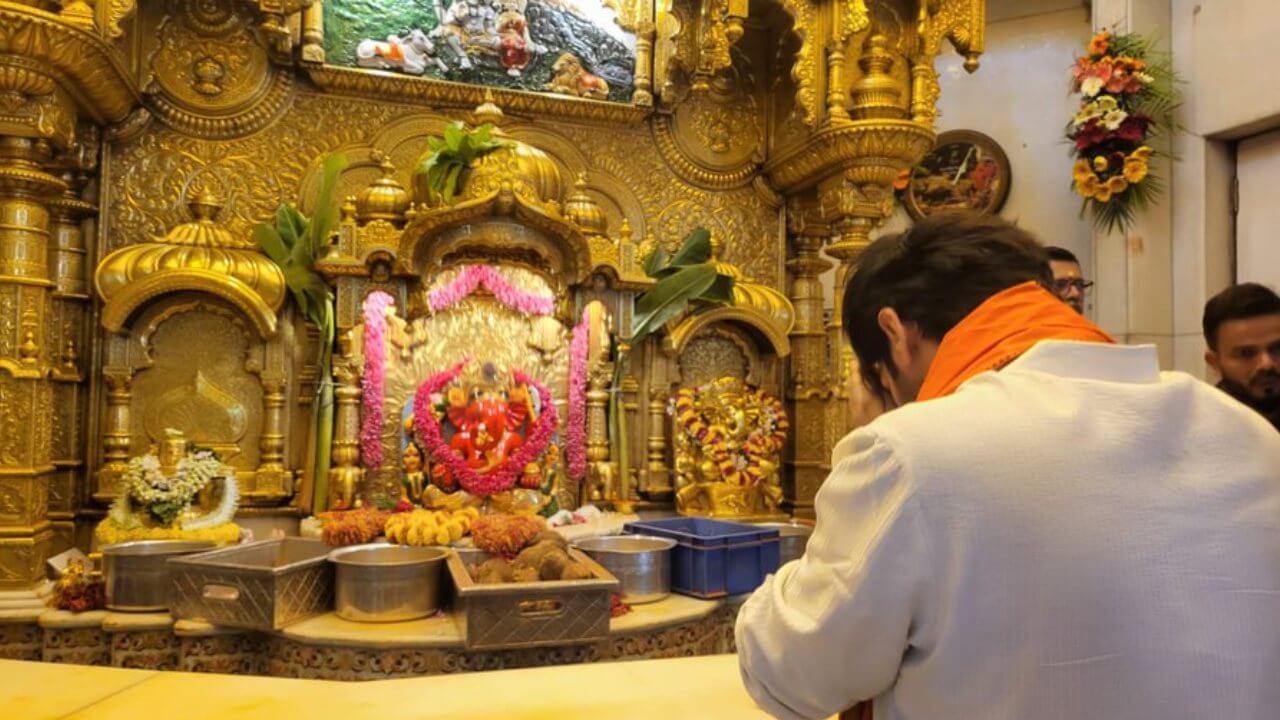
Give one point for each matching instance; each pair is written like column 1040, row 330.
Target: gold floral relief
column 158, row 169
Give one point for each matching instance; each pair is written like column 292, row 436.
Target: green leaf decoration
column 656, row 261
column 720, row 292
column 451, row 156
column 695, row 249
column 671, row 296
column 269, row 240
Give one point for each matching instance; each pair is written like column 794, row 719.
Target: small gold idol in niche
column 729, row 439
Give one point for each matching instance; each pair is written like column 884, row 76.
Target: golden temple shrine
column 344, row 339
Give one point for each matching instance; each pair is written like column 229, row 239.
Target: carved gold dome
column 752, row 296
column 528, row 171
column 200, row 256
column 584, row 211
column 384, row 198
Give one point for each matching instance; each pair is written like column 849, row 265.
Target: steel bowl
column 137, row 576
column 642, row 564
column 387, row 583
column 793, row 537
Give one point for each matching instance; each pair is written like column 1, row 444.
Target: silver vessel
column 642, row 564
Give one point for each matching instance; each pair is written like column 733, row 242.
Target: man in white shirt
column 1046, row 527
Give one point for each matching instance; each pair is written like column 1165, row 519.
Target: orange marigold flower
column 1100, row 43
column 1103, row 195
column 1117, row 185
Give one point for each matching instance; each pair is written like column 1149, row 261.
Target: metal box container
column 532, row 614
column 264, row 585
column 137, row 576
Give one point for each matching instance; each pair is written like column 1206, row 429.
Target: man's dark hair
column 1062, row 254
column 1238, row 302
column 934, row 275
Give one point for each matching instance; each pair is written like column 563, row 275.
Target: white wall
column 1234, row 81
column 1258, row 224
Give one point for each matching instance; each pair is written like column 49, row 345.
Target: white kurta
column 1077, row 536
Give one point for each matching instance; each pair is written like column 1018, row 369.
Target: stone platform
column 330, row 648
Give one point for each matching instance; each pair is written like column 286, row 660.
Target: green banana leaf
column 293, row 243
column 695, row 249
column 451, row 157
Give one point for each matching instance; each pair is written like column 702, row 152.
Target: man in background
column 1046, row 526
column 1068, row 278
column 1242, row 329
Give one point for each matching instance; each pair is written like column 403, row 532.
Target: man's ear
column 902, row 342
column 1211, row 357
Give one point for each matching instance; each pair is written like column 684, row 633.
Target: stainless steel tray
column 260, row 586
column 520, row 615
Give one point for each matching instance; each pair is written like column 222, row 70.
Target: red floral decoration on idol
column 503, row 476
column 1127, row 98
column 373, row 382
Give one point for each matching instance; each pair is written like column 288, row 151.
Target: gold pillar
column 643, row 94
column 810, row 383
column 657, row 474
column 271, row 474
column 67, row 261
column 836, row 101
column 600, row 474
column 116, row 433
column 26, row 395
column 345, row 473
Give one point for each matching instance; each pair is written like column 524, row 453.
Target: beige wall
column 1234, row 78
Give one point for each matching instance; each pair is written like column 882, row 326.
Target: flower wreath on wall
column 1128, row 98
column 741, row 466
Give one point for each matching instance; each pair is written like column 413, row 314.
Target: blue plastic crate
column 714, row 558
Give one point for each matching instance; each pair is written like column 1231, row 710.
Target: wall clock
column 966, row 170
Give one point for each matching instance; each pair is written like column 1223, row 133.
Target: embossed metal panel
column 265, row 585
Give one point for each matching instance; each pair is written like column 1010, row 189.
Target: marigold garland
column 373, row 382
column 473, row 276
column 576, row 429
column 741, row 466
column 1128, row 99
column 504, row 476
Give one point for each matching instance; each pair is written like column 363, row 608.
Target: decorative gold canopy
column 199, row 255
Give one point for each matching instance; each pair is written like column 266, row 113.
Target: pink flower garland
column 576, row 429
column 373, row 382
column 473, row 276
column 503, row 477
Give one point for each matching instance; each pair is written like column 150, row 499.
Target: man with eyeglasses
column 1068, row 279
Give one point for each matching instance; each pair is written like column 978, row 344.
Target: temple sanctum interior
column 499, row 347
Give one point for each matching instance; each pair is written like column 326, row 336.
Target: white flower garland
column 166, row 496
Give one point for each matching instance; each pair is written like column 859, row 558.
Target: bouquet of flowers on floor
column 1127, row 99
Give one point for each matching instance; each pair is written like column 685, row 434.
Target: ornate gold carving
column 711, row 143
column 714, row 355
column 212, row 78
column 893, row 144
column 89, row 68
column 808, row 60
column 198, row 255
column 32, row 104
column 113, row 13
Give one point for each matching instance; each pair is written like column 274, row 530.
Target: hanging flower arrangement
column 426, row 422
column 1127, row 100
column 742, row 465
column 373, row 381
column 473, row 276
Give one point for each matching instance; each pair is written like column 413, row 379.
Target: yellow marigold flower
column 1117, row 185
column 1135, row 170
column 1143, row 153
column 1100, row 163
column 1081, row 170
column 1088, row 187
column 1103, row 195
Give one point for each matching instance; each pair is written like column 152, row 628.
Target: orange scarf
column 1003, row 327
